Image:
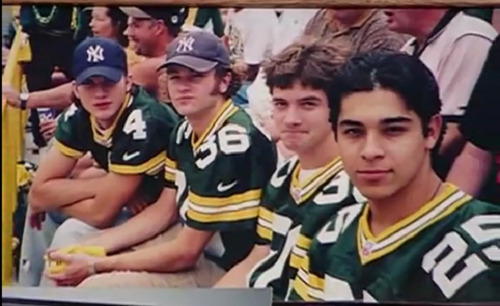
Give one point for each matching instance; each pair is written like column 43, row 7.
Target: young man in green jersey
column 308, row 188
column 417, row 238
column 123, row 128
column 217, row 164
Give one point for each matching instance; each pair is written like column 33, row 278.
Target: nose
column 127, row 31
column 372, row 148
column 292, row 116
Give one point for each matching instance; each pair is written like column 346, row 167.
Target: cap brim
column 134, row 12
column 110, row 73
column 195, row 63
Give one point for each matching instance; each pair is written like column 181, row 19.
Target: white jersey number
column 232, row 139
column 136, row 125
column 482, row 229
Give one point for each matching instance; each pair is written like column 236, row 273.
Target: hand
column 136, row 206
column 48, row 128
column 36, row 219
column 240, row 68
column 77, row 267
column 11, row 96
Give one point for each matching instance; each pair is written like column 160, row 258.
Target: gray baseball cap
column 200, row 51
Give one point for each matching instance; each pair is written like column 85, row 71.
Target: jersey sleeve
column 229, row 196
column 265, row 219
column 171, row 159
column 68, row 136
column 141, row 145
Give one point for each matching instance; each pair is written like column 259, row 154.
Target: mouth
column 372, row 175
column 102, row 105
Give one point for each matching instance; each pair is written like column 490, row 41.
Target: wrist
column 102, row 265
column 23, row 100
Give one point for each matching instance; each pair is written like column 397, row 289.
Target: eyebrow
column 385, row 121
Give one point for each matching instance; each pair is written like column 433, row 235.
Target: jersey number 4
column 135, row 125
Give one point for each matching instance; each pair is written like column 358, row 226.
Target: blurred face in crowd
column 301, row 115
column 381, row 142
column 143, row 34
column 404, row 20
column 191, row 92
column 101, row 24
column 102, row 98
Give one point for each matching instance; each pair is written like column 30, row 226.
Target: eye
column 395, row 130
column 309, row 104
column 352, row 132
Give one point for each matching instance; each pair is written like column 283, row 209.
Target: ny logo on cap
column 95, row 54
column 185, row 44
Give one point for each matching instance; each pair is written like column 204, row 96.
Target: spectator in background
column 209, row 16
column 50, row 30
column 366, row 29
column 454, row 46
column 150, row 30
column 249, row 34
column 481, row 128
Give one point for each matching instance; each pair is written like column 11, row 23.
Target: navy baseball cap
column 173, row 16
column 98, row 56
column 200, row 51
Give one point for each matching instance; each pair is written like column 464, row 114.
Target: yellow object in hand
column 58, row 266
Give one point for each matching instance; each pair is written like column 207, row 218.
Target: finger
column 60, row 256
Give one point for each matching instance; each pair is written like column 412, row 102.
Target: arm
column 459, row 71
column 58, row 97
column 51, row 188
column 155, row 219
column 236, row 277
column 178, row 254
column 101, row 210
column 472, row 163
column 144, row 74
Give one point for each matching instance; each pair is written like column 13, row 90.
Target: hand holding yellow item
column 57, row 266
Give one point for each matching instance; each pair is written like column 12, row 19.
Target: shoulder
column 243, row 122
column 463, row 26
column 151, row 109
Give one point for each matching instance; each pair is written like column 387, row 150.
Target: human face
column 381, row 142
column 301, row 115
column 403, row 20
column 101, row 24
column 102, row 98
column 191, row 92
column 143, row 33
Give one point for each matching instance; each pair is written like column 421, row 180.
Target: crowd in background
column 460, row 47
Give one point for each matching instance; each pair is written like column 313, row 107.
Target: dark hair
column 312, row 62
column 401, row 73
column 118, row 20
column 234, row 84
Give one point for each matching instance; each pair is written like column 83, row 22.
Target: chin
column 375, row 192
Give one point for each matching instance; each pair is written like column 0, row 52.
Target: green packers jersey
column 290, row 214
column 219, row 179
column 135, row 143
column 447, row 251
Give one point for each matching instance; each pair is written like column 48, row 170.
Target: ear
column 434, row 130
column 128, row 82
column 224, row 82
column 75, row 90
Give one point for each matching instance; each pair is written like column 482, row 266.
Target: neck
column 320, row 155
column 200, row 122
column 388, row 211
column 104, row 124
column 161, row 46
column 427, row 24
column 347, row 23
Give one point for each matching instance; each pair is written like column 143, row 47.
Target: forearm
column 470, row 169
column 58, row 97
column 153, row 220
column 56, row 193
column 172, row 256
column 236, row 277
